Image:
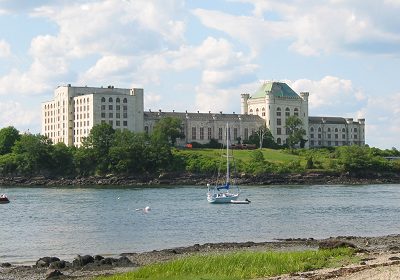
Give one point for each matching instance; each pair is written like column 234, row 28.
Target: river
column 67, row 221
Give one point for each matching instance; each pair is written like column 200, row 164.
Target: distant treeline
column 109, row 151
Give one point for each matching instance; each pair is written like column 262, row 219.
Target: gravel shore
column 380, row 259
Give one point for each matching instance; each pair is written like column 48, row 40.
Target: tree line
column 109, row 151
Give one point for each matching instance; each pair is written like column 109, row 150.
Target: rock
column 394, row 258
column 124, row 261
column 333, row 244
column 80, row 261
column 53, row 274
column 98, row 258
column 46, row 261
column 58, row 265
column 6, row 264
column 107, row 261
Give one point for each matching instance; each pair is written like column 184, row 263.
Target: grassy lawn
column 245, row 155
column 240, row 265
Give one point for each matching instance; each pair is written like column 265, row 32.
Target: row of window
column 117, row 115
column 329, row 136
column 329, row 129
column 117, row 123
column 117, row 107
column 117, row 100
column 221, row 132
column 329, row 143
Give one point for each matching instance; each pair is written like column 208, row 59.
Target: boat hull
column 222, row 198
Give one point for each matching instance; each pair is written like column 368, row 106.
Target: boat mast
column 227, row 154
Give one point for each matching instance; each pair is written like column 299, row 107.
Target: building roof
column 277, row 89
column 328, row 120
column 203, row 116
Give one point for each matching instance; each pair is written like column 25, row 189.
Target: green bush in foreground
column 240, row 265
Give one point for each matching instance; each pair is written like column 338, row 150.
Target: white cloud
column 313, row 27
column 108, row 68
column 5, row 49
column 13, row 113
column 331, row 96
column 383, row 120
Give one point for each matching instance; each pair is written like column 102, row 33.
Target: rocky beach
column 379, row 259
column 309, row 178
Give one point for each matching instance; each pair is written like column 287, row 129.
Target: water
column 67, row 221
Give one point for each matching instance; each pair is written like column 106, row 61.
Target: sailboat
column 222, row 193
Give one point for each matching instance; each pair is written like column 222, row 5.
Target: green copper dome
column 277, row 89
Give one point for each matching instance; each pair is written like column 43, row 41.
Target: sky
column 201, row 55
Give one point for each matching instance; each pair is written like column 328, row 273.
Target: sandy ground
column 380, row 260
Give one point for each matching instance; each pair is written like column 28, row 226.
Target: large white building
column 75, row 110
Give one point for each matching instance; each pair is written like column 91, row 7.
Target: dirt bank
column 380, row 257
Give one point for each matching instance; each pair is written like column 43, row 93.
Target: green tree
column 62, row 159
column 8, row 137
column 168, row 129
column 296, row 132
column 100, row 140
column 33, row 154
column 262, row 138
column 128, row 152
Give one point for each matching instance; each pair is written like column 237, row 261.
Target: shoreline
column 173, row 179
column 378, row 251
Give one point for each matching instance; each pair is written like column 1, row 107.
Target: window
column 336, row 130
column 311, row 135
column 209, row 133
column 355, row 136
column 110, row 123
column 312, row 142
column 118, row 107
column 235, row 133
column 263, row 113
column 296, row 112
column 336, row 143
column 329, row 129
column 118, row 115
column 220, row 133
column 110, row 107
column 251, row 111
column 336, row 136
column 103, row 115
column 125, row 100
column 343, row 136
column 110, row 99
column 201, row 133
column 319, row 136
column 125, row 115
column 246, row 134
column 257, row 111
column 110, row 115
column 287, row 112
column 279, row 131
column 319, row 129
column 278, row 112
column 125, row 108
column 343, row 130
column 117, row 123
column 329, row 136
column 117, row 100
column 278, row 122
column 278, row 141
column 329, row 143
column 312, row 129
column 125, row 123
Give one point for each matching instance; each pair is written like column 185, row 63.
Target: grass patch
column 240, row 265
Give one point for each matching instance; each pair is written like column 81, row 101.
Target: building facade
column 75, row 110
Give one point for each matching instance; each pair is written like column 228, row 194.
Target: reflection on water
column 65, row 222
